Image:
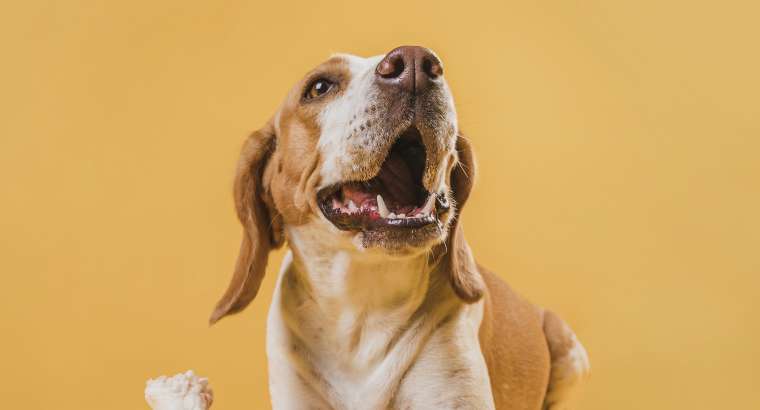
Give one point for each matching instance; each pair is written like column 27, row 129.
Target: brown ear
column 261, row 230
column 464, row 275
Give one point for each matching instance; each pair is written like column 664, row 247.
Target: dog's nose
column 412, row 68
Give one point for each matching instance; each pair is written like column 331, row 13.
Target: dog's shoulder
column 514, row 346
column 533, row 356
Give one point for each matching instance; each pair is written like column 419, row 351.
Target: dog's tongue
column 398, row 180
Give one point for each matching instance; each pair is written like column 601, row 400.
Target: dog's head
column 366, row 151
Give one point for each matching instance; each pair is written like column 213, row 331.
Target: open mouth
column 394, row 198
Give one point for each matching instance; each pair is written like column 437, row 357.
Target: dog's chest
column 347, row 341
column 440, row 369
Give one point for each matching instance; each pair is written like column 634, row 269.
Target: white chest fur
column 351, row 333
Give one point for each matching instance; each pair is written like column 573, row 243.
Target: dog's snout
column 412, row 68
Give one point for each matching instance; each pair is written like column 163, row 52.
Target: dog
column 379, row 303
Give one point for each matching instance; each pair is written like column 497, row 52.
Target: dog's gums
column 395, row 198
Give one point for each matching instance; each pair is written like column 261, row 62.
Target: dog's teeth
column 381, row 208
column 428, row 208
column 336, row 204
column 401, row 215
column 391, row 216
column 352, row 206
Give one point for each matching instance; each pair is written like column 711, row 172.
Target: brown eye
column 319, row 88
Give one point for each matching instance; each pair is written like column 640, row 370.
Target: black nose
column 410, row 67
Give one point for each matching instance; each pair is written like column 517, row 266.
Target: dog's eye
column 318, row 88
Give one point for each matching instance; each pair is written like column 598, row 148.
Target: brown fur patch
column 455, row 255
column 261, row 230
column 293, row 174
column 276, row 184
column 514, row 346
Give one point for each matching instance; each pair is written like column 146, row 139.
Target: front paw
column 184, row 391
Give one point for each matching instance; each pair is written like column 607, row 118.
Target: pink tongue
column 398, row 181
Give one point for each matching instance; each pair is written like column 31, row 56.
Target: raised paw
column 183, row 391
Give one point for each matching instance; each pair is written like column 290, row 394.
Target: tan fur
column 293, row 183
column 569, row 361
column 527, row 351
column 533, row 359
column 457, row 258
column 514, row 346
column 271, row 191
column 261, row 231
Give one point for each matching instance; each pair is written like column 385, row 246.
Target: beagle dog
column 379, row 303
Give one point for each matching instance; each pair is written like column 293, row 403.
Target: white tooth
column 336, row 204
column 381, row 208
column 401, row 215
column 352, row 206
column 428, row 208
column 391, row 216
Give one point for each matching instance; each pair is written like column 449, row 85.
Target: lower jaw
column 402, row 241
column 372, row 225
column 375, row 216
column 395, row 237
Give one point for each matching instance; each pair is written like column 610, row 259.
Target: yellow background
column 618, row 145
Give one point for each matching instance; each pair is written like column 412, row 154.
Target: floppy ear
column 458, row 260
column 261, row 230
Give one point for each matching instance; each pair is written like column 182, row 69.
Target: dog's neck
column 351, row 323
column 349, row 281
column 360, row 300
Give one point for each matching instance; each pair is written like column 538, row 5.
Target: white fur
column 335, row 119
column 350, row 124
column 351, row 329
column 183, row 391
column 356, row 328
